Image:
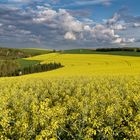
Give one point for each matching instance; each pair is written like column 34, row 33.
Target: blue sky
column 66, row 24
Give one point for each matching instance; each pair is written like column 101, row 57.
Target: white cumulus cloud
column 70, row 36
column 75, row 29
column 136, row 24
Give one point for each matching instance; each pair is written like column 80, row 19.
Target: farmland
column 93, row 96
column 69, row 69
column 90, row 64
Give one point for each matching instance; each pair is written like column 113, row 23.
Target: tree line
column 7, row 67
column 13, row 69
column 118, row 49
column 37, row 68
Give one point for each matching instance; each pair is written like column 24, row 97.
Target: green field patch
column 26, row 63
column 79, row 51
column 91, row 51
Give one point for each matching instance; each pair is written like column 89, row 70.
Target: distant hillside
column 109, row 51
column 8, row 53
column 35, row 51
column 12, row 53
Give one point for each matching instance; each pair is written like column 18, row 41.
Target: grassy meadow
column 94, row 96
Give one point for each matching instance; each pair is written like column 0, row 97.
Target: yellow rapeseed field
column 93, row 97
column 90, row 64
